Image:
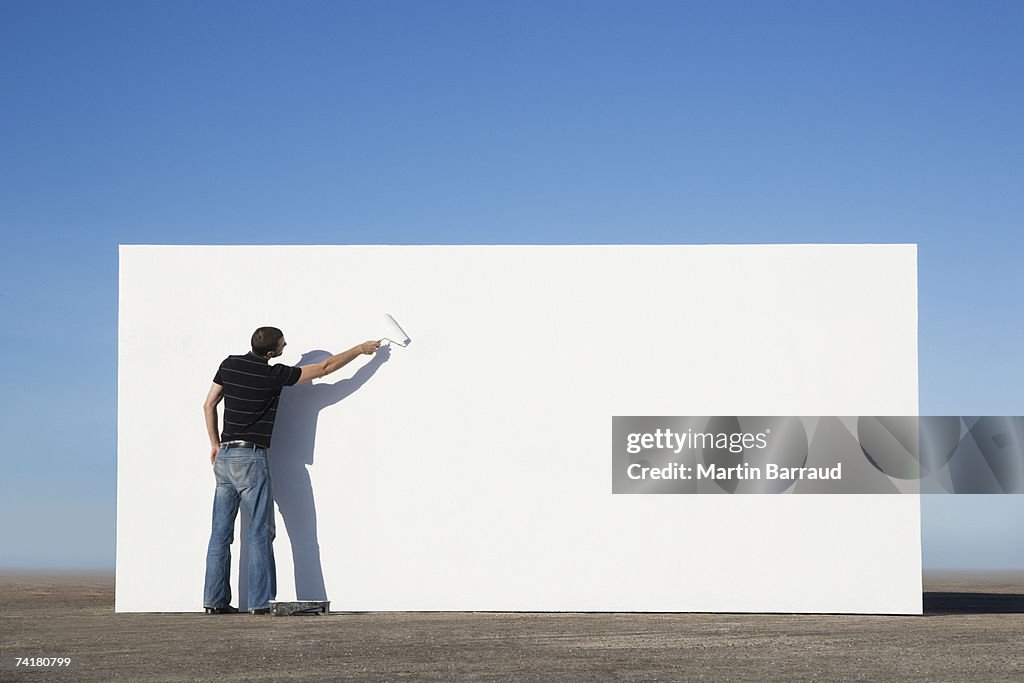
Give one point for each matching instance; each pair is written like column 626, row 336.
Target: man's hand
column 215, row 396
column 326, row 367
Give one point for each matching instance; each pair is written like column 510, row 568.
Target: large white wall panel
column 471, row 471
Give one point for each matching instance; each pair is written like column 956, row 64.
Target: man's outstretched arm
column 342, row 359
column 210, row 410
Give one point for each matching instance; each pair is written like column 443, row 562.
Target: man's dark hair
column 265, row 340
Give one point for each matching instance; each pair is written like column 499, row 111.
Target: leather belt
column 240, row 444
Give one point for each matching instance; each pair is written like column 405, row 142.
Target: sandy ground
column 973, row 629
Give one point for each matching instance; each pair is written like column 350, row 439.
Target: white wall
column 471, row 471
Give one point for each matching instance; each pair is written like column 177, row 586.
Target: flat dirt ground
column 973, row 629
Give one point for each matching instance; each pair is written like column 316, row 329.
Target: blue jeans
column 243, row 476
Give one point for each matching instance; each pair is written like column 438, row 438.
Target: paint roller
column 396, row 331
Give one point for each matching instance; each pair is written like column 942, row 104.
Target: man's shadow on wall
column 291, row 452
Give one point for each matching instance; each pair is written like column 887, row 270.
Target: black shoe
column 261, row 610
column 226, row 609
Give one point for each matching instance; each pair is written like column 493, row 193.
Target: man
column 250, row 388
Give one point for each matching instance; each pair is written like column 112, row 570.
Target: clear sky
column 492, row 122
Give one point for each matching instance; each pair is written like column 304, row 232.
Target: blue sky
column 494, row 122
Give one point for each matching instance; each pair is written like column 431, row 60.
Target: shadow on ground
column 973, row 603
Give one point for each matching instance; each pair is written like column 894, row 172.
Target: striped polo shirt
column 252, row 388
